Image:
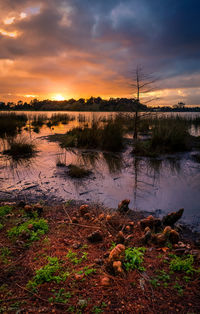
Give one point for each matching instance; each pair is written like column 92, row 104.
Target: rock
column 159, row 239
column 151, row 222
column 95, row 236
column 167, row 231
column 83, row 209
column 172, row 218
column 173, row 236
column 117, row 253
column 117, row 266
column 180, row 251
column 105, row 281
column 120, row 238
column 123, row 206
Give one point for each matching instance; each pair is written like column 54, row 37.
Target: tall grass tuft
column 20, row 148
column 11, row 123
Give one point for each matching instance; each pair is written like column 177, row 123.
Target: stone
column 99, row 261
column 128, row 228
column 147, row 235
column 76, row 245
column 95, row 236
column 82, row 303
column 79, row 276
column 101, row 216
column 123, row 206
column 172, row 218
column 83, row 209
column 105, row 281
column 117, row 253
column 39, row 208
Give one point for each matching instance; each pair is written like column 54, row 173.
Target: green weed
column 179, row 288
column 5, row 253
column 100, row 308
column 32, row 229
column 134, row 258
column 183, row 264
column 72, row 256
column 87, row 271
column 5, row 210
column 60, row 297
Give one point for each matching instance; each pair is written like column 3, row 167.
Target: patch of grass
column 179, row 288
column 5, row 210
column 11, row 124
column 134, row 258
column 108, row 137
column 5, row 253
column 72, row 256
column 31, row 229
column 1, row 226
column 20, row 148
column 100, row 308
column 183, row 264
column 47, row 273
column 87, row 271
column 78, row 172
column 60, row 297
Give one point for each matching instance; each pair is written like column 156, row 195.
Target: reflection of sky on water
column 150, row 184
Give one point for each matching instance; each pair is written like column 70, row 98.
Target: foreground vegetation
column 62, row 259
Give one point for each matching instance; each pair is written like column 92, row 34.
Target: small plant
column 60, row 297
column 5, row 210
column 134, row 258
column 47, row 274
column 5, row 253
column 31, row 229
column 87, row 271
column 183, row 264
column 72, row 256
column 179, row 288
column 154, row 282
column 99, row 309
column 113, row 245
column 1, row 226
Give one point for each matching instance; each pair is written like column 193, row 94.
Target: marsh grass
column 58, row 118
column 107, row 137
column 39, row 120
column 78, row 171
column 20, row 148
column 11, row 124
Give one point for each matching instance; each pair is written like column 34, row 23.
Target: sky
column 61, row 49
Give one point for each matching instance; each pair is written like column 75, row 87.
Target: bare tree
column 141, row 83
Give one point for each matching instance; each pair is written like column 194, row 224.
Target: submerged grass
column 78, row 172
column 11, row 123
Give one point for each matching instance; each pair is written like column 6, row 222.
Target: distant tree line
column 91, row 104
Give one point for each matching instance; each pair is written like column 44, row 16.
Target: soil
column 101, row 290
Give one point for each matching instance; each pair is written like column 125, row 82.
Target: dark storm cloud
column 111, row 35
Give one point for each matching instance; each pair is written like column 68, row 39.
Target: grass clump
column 183, row 264
column 72, row 256
column 60, row 297
column 47, row 273
column 20, row 148
column 107, row 137
column 5, row 210
column 5, row 254
column 134, row 258
column 78, row 172
column 31, row 230
column 11, row 123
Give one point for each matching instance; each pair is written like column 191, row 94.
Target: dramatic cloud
column 82, row 48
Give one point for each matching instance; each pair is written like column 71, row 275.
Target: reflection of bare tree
column 136, row 166
column 114, row 162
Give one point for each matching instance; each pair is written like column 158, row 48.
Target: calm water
column 162, row 185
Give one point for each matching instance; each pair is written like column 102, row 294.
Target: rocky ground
column 85, row 259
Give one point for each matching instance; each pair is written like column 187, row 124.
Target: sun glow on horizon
column 58, row 97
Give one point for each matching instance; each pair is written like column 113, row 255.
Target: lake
column 155, row 185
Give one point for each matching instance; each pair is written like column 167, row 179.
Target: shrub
column 5, row 210
column 32, row 228
column 134, row 258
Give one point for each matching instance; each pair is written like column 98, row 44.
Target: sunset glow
column 90, row 50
